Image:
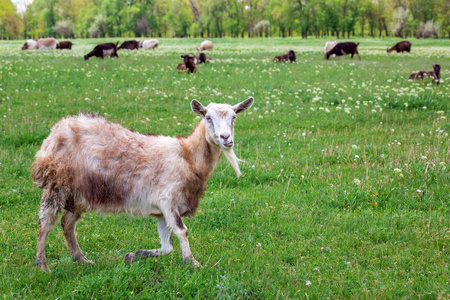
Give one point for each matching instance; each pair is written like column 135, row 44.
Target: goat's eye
column 208, row 119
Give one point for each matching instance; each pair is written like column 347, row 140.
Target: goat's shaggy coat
column 130, row 45
column 88, row 163
column 64, row 45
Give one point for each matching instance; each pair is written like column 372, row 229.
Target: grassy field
column 345, row 190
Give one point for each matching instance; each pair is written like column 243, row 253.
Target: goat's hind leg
column 165, row 234
column 48, row 215
column 68, row 222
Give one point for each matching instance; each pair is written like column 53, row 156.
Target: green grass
column 345, row 193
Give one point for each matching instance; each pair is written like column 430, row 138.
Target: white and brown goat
column 41, row 44
column 88, row 163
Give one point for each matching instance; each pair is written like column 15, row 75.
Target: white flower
column 423, row 157
column 308, row 283
column 354, row 146
column 397, row 170
column 357, row 181
column 258, row 245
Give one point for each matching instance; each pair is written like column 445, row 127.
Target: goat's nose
column 225, row 136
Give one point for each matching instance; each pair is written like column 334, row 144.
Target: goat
column 64, row 45
column 205, row 45
column 88, row 163
column 330, row 45
column 102, row 50
column 130, row 45
column 40, row 44
column 400, row 47
column 149, row 44
column 280, row 58
column 201, row 58
column 289, row 56
column 435, row 74
column 189, row 62
column 181, row 67
column 342, row 49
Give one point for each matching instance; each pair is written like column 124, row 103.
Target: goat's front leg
column 165, row 234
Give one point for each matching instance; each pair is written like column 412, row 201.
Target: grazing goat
column 88, row 163
column 189, row 62
column 400, row 47
column 342, row 49
column 205, row 45
column 435, row 74
column 102, row 50
column 40, row 44
column 64, row 45
column 330, row 45
column 130, row 45
column 149, row 44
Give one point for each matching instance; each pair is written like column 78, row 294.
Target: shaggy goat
column 40, row 44
column 330, row 45
column 205, row 45
column 149, row 44
column 435, row 74
column 64, row 45
column 280, row 58
column 88, row 163
column 189, row 62
column 342, row 49
column 400, row 47
column 130, row 45
column 102, row 50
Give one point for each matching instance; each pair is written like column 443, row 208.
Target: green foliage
column 344, row 192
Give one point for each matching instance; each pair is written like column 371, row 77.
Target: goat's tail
column 233, row 160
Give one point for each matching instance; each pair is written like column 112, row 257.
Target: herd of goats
column 190, row 61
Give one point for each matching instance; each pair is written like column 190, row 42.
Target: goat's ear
column 244, row 105
column 198, row 108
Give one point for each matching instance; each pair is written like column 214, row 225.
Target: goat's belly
column 108, row 52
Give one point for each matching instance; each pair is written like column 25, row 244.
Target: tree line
column 221, row 18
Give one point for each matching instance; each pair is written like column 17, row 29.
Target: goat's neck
column 202, row 154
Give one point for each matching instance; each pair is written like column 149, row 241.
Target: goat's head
column 25, row 46
column 437, row 69
column 219, row 122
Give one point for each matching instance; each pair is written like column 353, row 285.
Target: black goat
column 129, row 45
column 400, row 47
column 189, row 62
column 342, row 49
column 102, row 50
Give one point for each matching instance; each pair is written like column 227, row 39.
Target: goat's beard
column 233, row 160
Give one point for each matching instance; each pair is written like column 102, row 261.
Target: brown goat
column 64, row 45
column 342, row 49
column 189, row 61
column 88, row 163
column 400, row 47
column 280, row 58
column 181, row 67
column 435, row 74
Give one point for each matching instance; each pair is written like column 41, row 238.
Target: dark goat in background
column 342, row 49
column 64, row 45
column 102, row 50
column 130, row 45
column 400, row 47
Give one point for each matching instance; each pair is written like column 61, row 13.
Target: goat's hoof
column 130, row 257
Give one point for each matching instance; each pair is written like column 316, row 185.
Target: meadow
column 344, row 194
